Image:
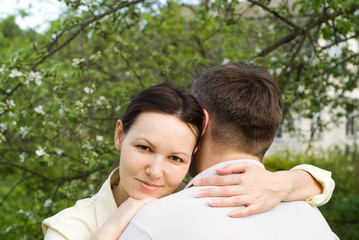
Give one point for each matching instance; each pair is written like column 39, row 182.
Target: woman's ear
column 205, row 122
column 119, row 134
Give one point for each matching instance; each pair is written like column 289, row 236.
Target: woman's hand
column 258, row 190
column 117, row 223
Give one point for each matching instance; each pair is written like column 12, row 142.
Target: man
column 243, row 109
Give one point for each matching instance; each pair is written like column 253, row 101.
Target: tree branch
column 82, row 27
column 133, row 70
column 295, row 54
column 339, row 41
column 309, row 26
column 277, row 15
column 15, row 165
column 13, row 188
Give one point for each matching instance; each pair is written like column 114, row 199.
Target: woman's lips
column 148, row 186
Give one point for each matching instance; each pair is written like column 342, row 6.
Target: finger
column 243, row 212
column 232, row 179
column 234, row 168
column 227, row 191
column 229, row 201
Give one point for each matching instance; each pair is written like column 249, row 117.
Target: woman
column 157, row 137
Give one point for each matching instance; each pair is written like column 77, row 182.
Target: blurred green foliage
column 342, row 211
column 62, row 91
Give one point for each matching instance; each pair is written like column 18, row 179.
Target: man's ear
column 205, row 122
column 119, row 134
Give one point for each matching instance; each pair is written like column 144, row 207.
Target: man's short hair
column 244, row 104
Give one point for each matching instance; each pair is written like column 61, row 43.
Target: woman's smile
column 147, row 186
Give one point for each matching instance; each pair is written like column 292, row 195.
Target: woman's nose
column 155, row 168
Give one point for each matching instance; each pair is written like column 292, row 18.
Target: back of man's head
column 244, row 104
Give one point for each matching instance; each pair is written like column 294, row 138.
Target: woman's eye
column 175, row 158
column 142, row 147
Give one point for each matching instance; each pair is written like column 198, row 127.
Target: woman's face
column 155, row 154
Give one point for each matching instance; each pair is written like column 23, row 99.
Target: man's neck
column 209, row 155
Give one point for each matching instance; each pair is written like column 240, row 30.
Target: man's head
column 244, row 105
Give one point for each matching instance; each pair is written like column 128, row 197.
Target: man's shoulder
column 289, row 220
column 181, row 198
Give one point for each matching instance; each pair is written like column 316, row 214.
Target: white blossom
column 59, row 151
column 350, row 168
column 88, row 90
column 2, row 69
column 118, row 108
column 77, row 61
column 22, row 157
column 15, row 73
column 41, row 152
column 62, row 110
column 271, row 28
column 225, row 61
column 24, row 131
column 39, row 109
column 11, row 103
column 300, row 89
column 100, row 100
column 89, row 34
column 99, row 138
column 3, row 127
column 36, row 77
column 48, row 203
column 277, row 71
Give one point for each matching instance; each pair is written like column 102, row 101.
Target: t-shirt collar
column 211, row 171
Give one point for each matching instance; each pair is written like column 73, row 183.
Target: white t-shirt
column 183, row 216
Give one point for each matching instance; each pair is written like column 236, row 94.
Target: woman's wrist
column 298, row 185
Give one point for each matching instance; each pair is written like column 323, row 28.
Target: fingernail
column 198, row 183
column 212, row 202
column 198, row 194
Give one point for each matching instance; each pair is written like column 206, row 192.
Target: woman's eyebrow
column 147, row 141
column 180, row 153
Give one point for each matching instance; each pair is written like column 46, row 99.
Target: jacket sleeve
column 324, row 178
column 53, row 235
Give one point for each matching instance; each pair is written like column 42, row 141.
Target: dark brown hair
column 165, row 98
column 245, row 105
